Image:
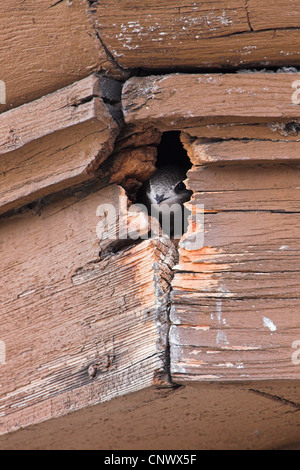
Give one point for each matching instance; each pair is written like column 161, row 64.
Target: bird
column 164, row 195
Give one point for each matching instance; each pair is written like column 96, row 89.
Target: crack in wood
column 56, row 3
column 238, row 33
column 248, row 15
column 277, row 398
column 111, row 58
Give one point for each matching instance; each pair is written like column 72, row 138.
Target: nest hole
column 170, row 151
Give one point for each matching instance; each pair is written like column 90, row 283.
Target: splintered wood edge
column 178, row 34
column 66, row 136
column 243, row 151
column 64, row 48
column 75, row 104
column 179, row 100
column 235, row 300
column 133, row 333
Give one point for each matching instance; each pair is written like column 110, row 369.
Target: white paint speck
column 219, row 310
column 269, row 324
column 283, row 247
column 28, row 292
column 221, row 338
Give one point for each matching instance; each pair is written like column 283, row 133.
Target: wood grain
column 263, row 187
column 280, row 12
column 68, row 107
column 53, row 46
column 55, row 142
column 78, row 330
column 235, row 300
column 177, row 101
column 177, row 35
column 274, row 130
column 238, row 152
column 260, row 415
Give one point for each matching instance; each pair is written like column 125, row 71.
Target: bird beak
column 159, row 199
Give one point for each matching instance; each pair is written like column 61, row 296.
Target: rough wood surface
column 133, row 159
column 283, row 13
column 247, row 188
column 68, row 107
column 283, row 129
column 181, row 34
column 181, row 100
column 78, row 330
column 237, row 152
column 56, row 141
column 235, row 300
column 57, row 43
column 207, row 416
column 53, row 45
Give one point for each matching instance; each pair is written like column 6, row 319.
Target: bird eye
column 179, row 187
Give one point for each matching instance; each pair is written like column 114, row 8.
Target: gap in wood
column 170, row 151
column 224, row 69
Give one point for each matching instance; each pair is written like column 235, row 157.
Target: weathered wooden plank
column 68, row 107
column 283, row 13
column 260, row 415
column 254, row 310
column 235, row 337
column 246, row 242
column 235, row 300
column 55, row 142
column 236, row 285
column 131, row 166
column 246, row 188
column 188, row 34
column 237, row 152
column 47, row 165
column 205, row 363
column 54, row 45
column 78, row 330
column 181, row 100
column 285, row 130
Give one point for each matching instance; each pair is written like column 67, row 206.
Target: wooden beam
column 65, row 108
column 280, row 129
column 181, row 34
column 234, row 300
column 207, row 416
column 237, row 188
column 280, row 12
column 179, row 100
column 78, row 329
column 237, row 152
column 57, row 141
column 54, row 45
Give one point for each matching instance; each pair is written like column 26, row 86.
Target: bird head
column 166, row 186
